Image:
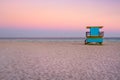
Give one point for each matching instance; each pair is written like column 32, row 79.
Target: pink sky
column 60, row 14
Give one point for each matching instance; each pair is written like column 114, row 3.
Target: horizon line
column 51, row 37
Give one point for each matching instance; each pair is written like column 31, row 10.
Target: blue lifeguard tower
column 94, row 35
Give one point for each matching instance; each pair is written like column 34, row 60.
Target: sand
column 59, row 61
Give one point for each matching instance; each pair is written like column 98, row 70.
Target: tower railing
column 100, row 34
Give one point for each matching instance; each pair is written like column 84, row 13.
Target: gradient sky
column 58, row 18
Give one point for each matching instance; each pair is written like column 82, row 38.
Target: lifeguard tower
column 94, row 35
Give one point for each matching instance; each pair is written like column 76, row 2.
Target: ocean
column 116, row 39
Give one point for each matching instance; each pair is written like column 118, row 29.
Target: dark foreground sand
column 59, row 61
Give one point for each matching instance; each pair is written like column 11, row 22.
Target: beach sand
column 59, row 61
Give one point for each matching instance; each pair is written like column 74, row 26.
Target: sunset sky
column 58, row 18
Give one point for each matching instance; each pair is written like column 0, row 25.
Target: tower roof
column 94, row 27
